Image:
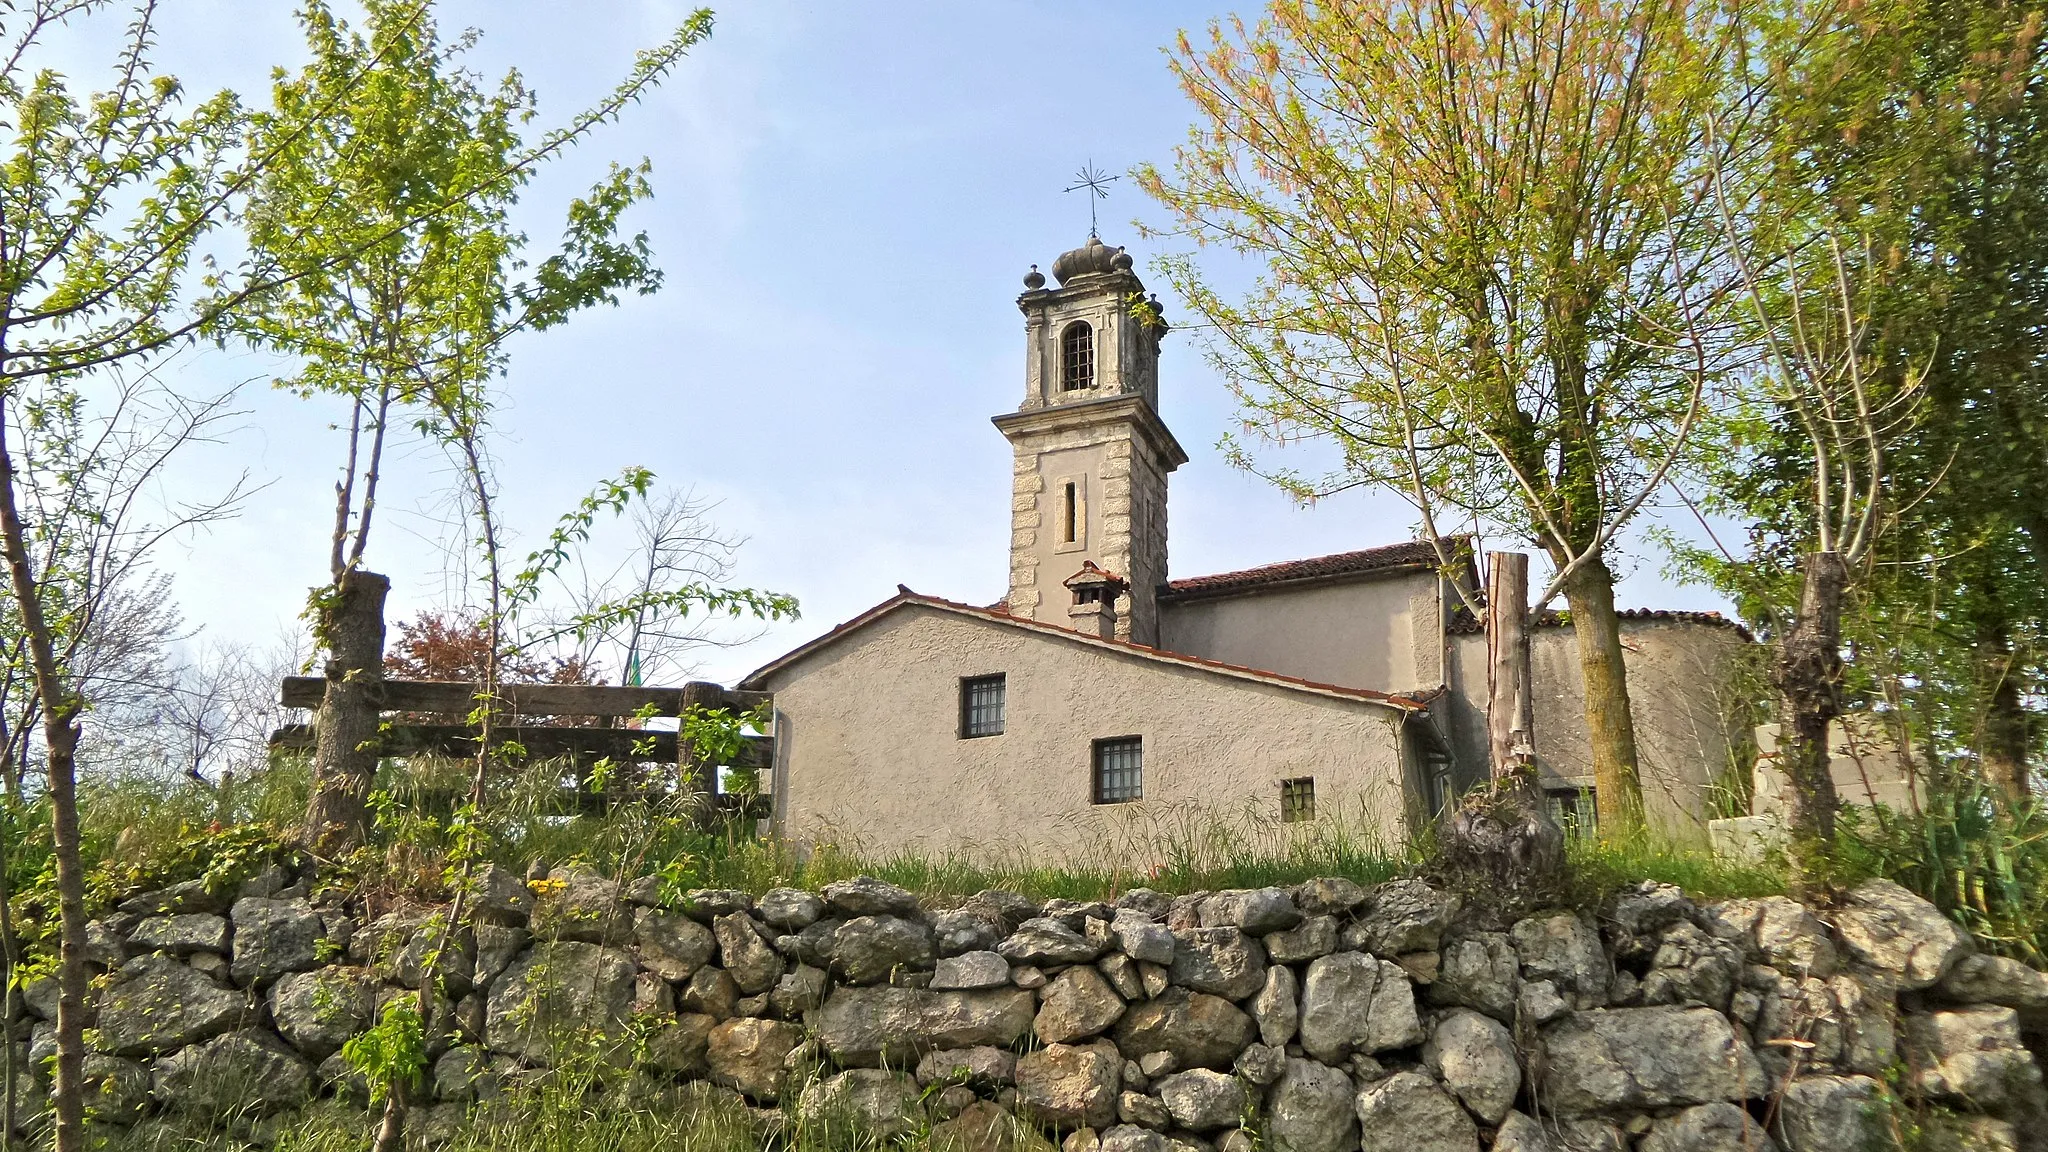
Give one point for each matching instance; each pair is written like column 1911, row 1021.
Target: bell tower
column 1092, row 455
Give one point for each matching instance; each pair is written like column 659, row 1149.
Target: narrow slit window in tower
column 1077, row 357
column 1069, row 515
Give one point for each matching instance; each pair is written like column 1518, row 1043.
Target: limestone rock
column 1403, row 916
column 1833, row 1114
column 1644, row 911
column 1892, row 930
column 681, row 1046
column 1637, row 1058
column 579, row 903
column 1220, row 961
column 1142, row 1110
column 1475, row 1057
column 1480, row 971
column 799, row 991
column 984, row 1127
column 1202, row 1100
column 1131, row 1138
column 713, row 992
column 747, row 1055
column 1199, row 1030
column 1122, row 973
column 1311, row 1109
column 790, row 909
column 880, row 1024
column 499, row 897
column 458, row 1073
column 1352, row 1002
column 1066, row 1086
column 1045, row 941
column 959, row 932
column 670, row 946
column 1866, row 1011
column 1974, row 1055
column 862, row 1104
column 1313, row 937
column 1261, row 1064
column 1407, row 1112
column 869, row 949
column 1566, row 951
column 970, row 970
column 1077, row 1005
column 186, row 896
column 1253, row 911
column 867, row 896
column 1538, row 1003
column 1143, row 939
column 1792, row 939
column 1716, row 1127
column 1005, row 910
column 496, row 947
column 1277, row 1007
column 753, row 965
column 1328, row 896
column 1982, row 979
column 116, row 1090
column 814, row 944
column 1953, row 1133
column 559, row 988
column 982, row 1067
column 273, row 937
column 241, row 1072
column 319, row 1010
column 156, row 1004
column 1691, row 967
column 708, row 904
column 181, row 934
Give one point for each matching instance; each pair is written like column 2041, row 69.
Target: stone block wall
column 1320, row 1018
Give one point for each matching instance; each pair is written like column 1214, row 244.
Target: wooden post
column 696, row 778
column 1510, row 715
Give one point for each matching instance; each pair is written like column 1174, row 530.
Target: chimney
column 1093, row 611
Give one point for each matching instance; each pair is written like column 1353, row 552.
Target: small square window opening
column 1574, row 810
column 1298, row 800
column 981, row 706
column 1119, row 770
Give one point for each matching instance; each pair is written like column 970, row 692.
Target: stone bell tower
column 1092, row 455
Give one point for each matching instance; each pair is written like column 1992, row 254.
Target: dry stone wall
column 1320, row 1018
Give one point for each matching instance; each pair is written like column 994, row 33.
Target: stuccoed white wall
column 1680, row 695
column 1384, row 633
column 870, row 755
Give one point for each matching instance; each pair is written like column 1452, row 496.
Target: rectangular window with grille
column 1574, row 810
column 981, row 706
column 1298, row 800
column 1119, row 770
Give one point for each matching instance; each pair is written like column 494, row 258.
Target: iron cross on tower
column 1097, row 183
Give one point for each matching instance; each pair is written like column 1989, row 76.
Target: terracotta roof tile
column 1464, row 622
column 1387, row 558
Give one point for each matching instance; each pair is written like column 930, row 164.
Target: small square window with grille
column 1119, row 770
column 981, row 706
column 1298, row 799
column 1574, row 810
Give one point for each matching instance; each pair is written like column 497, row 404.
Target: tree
column 391, row 213
column 1482, row 232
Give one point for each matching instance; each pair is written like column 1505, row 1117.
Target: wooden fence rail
column 453, row 697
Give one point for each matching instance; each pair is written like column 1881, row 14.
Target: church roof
column 1386, row 560
column 1462, row 621
column 906, row 598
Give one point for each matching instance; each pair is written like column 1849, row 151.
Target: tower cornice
column 1107, row 410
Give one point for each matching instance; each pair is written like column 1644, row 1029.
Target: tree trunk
column 1809, row 679
column 1510, row 713
column 2005, row 741
column 1611, row 728
column 344, row 759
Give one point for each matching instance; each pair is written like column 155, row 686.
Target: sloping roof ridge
column 1462, row 621
column 1359, row 561
column 905, row 597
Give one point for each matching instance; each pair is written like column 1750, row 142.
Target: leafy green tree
column 390, row 208
column 1482, row 232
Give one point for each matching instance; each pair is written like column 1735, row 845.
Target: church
column 1104, row 700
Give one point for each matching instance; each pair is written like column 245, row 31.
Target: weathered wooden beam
column 457, row 698
column 541, row 743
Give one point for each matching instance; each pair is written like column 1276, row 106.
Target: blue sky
column 846, row 199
